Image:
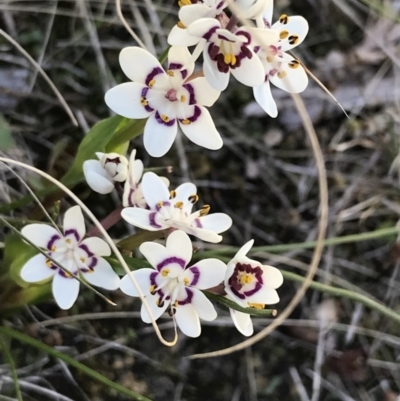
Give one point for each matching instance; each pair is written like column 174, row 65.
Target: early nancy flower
column 173, row 287
column 168, row 99
column 174, row 210
column 79, row 256
column 101, row 174
column 250, row 284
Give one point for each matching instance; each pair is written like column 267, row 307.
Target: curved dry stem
column 43, row 74
column 322, row 225
column 126, row 25
column 106, row 236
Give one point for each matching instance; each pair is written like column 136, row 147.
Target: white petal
column 261, row 37
column 250, row 8
column 267, row 15
column 159, row 137
column 180, row 37
column 65, row 291
column 264, row 98
column 203, row 306
column 218, row 80
column 40, row 234
column 294, row 81
column 204, row 93
column 124, row 99
column 179, row 244
column 178, row 57
column 272, row 277
column 97, row 246
column 204, row 235
column 194, row 12
column 202, row 130
column 250, row 72
column 183, row 193
column 217, row 222
column 242, row 322
column 137, row 170
column 142, row 277
column 97, row 177
column 35, row 269
column 142, row 218
column 206, row 274
column 137, row 64
column 265, row 295
column 202, row 27
column 296, row 25
column 187, row 320
column 154, row 252
column 154, row 190
column 102, row 276
column 156, row 310
column 74, row 223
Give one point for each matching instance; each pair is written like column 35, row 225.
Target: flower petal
column 217, row 222
column 154, row 190
column 202, row 130
column 194, row 12
column 250, row 72
column 242, row 322
column 154, row 252
column 74, row 223
column 142, row 277
column 203, row 27
column 156, row 310
column 296, row 29
column 124, row 99
column 250, row 9
column 204, row 235
column 35, row 269
column 97, row 246
column 204, row 93
column 65, row 291
column 137, row 170
column 206, row 274
column 179, row 245
column 272, row 277
column 159, row 136
column 179, row 59
column 217, row 79
column 102, row 276
column 185, row 193
column 294, row 80
column 243, row 250
column 203, row 306
column 180, row 37
column 264, row 98
column 97, row 177
column 42, row 235
column 145, row 219
column 187, row 320
column 265, row 295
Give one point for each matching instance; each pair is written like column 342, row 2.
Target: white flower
column 167, row 98
column 101, row 174
column 250, row 284
column 252, row 9
column 225, row 51
column 173, row 287
column 79, row 256
column 173, row 210
column 281, row 69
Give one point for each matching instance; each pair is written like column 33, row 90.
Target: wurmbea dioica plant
column 170, row 99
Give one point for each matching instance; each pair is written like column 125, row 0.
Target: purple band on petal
column 171, row 260
column 67, row 275
column 175, row 66
column 256, row 288
column 52, row 240
column 220, row 4
column 154, row 72
column 188, row 299
column 143, row 95
column 222, row 37
column 196, row 275
column 87, row 250
column 153, row 278
column 169, row 123
column 164, row 203
column 73, row 232
column 92, row 263
column 198, row 223
column 237, row 293
column 246, row 35
column 210, row 32
column 194, row 117
column 152, row 220
column 257, row 49
column 192, row 96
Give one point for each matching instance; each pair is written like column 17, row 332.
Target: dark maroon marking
column 198, row 223
column 210, row 32
column 235, row 284
column 175, row 66
column 52, row 240
column 64, row 274
column 152, row 220
column 143, row 95
column 256, row 288
column 188, row 299
column 74, row 232
column 171, row 260
column 153, row 278
column 87, row 250
column 154, row 72
column 92, row 263
column 192, row 97
column 266, row 23
column 196, row 275
column 170, row 123
column 195, row 116
column 184, row 74
column 213, row 51
column 257, row 49
column 222, row 37
column 220, row 4
column 246, row 35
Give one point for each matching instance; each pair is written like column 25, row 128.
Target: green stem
column 10, row 361
column 7, row 331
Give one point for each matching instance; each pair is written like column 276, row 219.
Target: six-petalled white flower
column 172, row 286
column 77, row 255
column 168, row 99
column 174, row 210
column 250, row 284
column 101, row 174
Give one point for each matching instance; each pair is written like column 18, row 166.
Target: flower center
column 244, row 274
column 171, row 95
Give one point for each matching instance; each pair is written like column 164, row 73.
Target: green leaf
column 6, row 139
column 125, row 133
column 134, row 241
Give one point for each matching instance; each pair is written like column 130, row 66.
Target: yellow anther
column 171, row 73
column 256, row 306
column 270, row 59
column 53, row 248
column 160, row 204
column 227, row 58
column 282, row 74
column 49, row 263
column 175, row 304
column 152, row 289
column 179, row 205
column 204, row 210
column 164, row 118
column 284, row 19
column 159, row 302
column 143, row 101
column 180, row 25
column 82, row 259
column 67, row 275
column 182, row 3
column 284, row 34
column 151, row 83
column 183, row 98
column 165, row 272
column 294, row 64
column 246, row 279
column 186, row 281
column 186, row 121
column 68, row 241
column 172, row 194
column 193, row 198
column 293, row 39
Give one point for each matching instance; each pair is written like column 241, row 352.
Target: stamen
column 165, row 272
column 270, row 59
column 171, row 73
column 284, row 19
column 53, row 248
column 82, row 259
column 151, row 83
column 180, row 25
column 160, row 302
column 143, row 101
column 193, row 198
column 160, row 204
column 68, row 241
column 172, row 194
column 49, row 263
column 186, row 281
column 294, row 64
column 256, row 306
column 246, row 279
column 164, row 118
column 204, row 210
column 293, row 39
column 179, row 205
column 152, row 289
column 282, row 74
column 186, row 121
column 183, row 98
column 284, row 34
column 182, row 3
